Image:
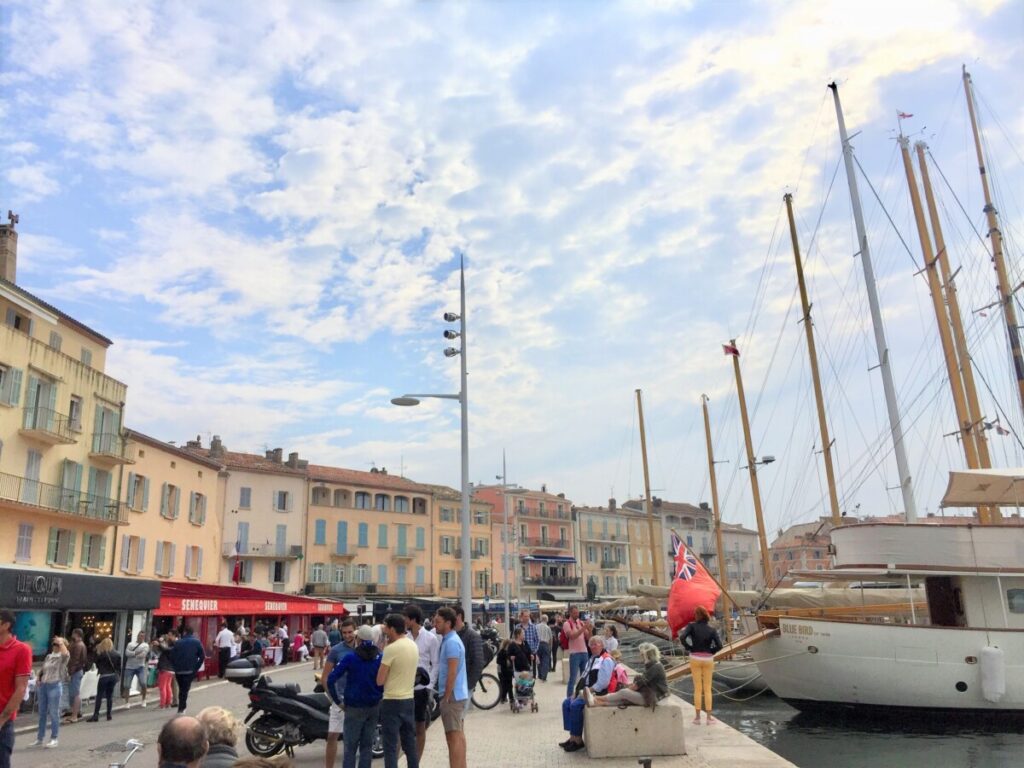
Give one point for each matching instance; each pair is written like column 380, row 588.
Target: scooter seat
column 315, row 700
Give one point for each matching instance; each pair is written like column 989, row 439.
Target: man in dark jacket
column 474, row 645
column 187, row 656
column 362, row 697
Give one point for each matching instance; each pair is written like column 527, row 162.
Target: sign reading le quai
column 38, row 589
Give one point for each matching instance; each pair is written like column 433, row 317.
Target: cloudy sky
column 263, row 205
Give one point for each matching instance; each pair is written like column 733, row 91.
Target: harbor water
column 812, row 741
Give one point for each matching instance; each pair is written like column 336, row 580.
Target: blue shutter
column 31, row 393
column 71, row 548
column 420, row 575
column 130, row 498
column 94, row 502
column 125, row 540
column 403, row 539
column 97, row 429
column 188, row 561
column 199, row 569
column 342, row 543
column 400, row 576
column 193, row 504
column 382, row 574
column 421, row 538
column 382, row 535
column 170, row 565
column 142, row 556
column 320, row 532
column 87, row 540
column 103, row 551
column 202, row 510
column 243, row 538
column 51, row 547
column 364, row 535
column 281, row 545
column 177, row 503
column 158, row 566
column 163, row 500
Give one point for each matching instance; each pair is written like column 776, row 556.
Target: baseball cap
column 365, row 634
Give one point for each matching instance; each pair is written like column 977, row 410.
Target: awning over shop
column 993, row 487
column 548, row 559
column 25, row 589
column 177, row 599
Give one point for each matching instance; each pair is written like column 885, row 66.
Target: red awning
column 183, row 599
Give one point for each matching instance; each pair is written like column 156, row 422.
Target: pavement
column 496, row 738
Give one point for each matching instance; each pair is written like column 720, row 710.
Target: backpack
column 563, row 640
column 620, row 679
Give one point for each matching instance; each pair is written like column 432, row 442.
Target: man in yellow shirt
column 398, row 675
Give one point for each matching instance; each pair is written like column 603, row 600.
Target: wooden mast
column 974, row 412
column 656, row 543
column 941, row 319
column 996, row 236
column 723, row 568
column 826, row 442
column 755, row 489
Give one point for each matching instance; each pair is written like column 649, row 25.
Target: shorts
column 75, row 684
column 452, row 715
column 421, row 703
column 140, row 673
column 336, row 720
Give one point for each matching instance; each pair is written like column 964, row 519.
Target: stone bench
column 635, row 731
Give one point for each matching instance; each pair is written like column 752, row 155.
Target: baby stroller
column 523, row 693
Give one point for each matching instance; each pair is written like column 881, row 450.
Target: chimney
column 270, row 454
column 293, row 459
column 278, row 455
column 383, row 470
column 611, row 505
column 561, row 495
column 197, row 443
column 9, row 248
column 216, row 447
column 303, row 464
column 543, row 487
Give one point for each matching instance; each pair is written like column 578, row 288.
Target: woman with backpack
column 647, row 689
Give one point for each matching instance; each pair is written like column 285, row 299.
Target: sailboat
column 960, row 649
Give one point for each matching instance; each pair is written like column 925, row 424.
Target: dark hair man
column 187, row 656
column 429, row 646
column 182, row 741
column 336, row 719
column 474, row 646
column 453, row 686
column 397, row 675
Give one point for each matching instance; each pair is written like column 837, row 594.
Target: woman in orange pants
column 703, row 642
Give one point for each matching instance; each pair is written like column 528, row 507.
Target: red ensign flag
column 692, row 585
column 730, row 349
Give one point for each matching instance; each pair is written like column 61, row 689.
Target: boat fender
column 993, row 673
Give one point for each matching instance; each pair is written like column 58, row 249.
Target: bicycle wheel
column 487, row 692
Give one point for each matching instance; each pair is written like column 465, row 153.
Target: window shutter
column 97, row 428
column 130, row 499
column 71, row 549
column 202, row 510
column 86, row 546
column 51, row 546
column 177, row 503
column 125, row 541
column 78, row 479
column 199, row 556
column 145, row 494
column 142, row 556
column 159, row 565
column 52, row 405
column 192, row 504
column 163, row 501
column 273, row 501
column 288, row 500
column 103, row 551
column 10, row 317
column 188, row 562
column 170, row 565
column 14, row 391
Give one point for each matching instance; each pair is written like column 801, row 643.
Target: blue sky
column 263, row 207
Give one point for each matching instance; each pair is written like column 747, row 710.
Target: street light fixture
column 462, row 397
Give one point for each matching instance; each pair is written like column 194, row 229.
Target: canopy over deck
column 988, row 487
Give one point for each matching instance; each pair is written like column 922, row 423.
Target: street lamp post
column 462, row 397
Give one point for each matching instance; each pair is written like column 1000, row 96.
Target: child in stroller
column 524, row 694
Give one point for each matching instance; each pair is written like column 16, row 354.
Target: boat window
column 1015, row 600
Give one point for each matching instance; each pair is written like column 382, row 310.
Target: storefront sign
column 23, row 589
column 221, row 606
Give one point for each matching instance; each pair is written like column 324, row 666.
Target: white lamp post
column 462, row 397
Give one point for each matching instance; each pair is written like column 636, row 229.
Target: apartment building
column 545, row 547
column 447, row 542
column 801, row 547
column 174, row 499
column 62, row 451
column 369, row 534
column 602, row 536
column 263, row 517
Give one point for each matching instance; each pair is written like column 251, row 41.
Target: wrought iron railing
column 66, row 501
column 49, row 421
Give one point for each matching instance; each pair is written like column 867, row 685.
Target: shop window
column 60, row 549
column 23, row 551
column 245, row 498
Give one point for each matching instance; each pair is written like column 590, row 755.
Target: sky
column 265, row 206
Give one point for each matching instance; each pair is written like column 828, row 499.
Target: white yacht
column 960, row 650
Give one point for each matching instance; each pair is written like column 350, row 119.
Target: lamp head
column 404, row 401
column 450, row 317
column 451, row 352
column 767, row 459
column 450, row 334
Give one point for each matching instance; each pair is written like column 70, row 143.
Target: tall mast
column 889, row 388
column 941, row 318
column 656, row 542
column 755, row 489
column 826, row 442
column 723, row 568
column 996, row 237
column 974, row 412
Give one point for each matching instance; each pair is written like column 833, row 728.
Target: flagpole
column 655, row 545
column 709, row 573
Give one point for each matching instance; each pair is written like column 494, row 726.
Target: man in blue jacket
column 362, row 698
column 187, row 656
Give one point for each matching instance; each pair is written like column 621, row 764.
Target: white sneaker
column 142, row 703
column 51, row 744
column 36, row 743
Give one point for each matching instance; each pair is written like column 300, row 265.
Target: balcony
column 111, row 449
column 600, row 536
column 403, row 553
column 546, row 514
column 611, row 565
column 343, row 553
column 552, row 581
column 47, row 426
column 543, row 543
column 352, row 588
column 66, row 502
column 475, row 554
column 268, row 550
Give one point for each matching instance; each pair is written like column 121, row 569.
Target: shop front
column 48, row 603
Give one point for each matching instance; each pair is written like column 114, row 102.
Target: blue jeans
column 48, row 696
column 577, row 663
column 398, row 722
column 357, row 733
column 6, row 743
column 543, row 660
column 572, row 716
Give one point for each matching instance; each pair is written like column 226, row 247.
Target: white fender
column 993, row 673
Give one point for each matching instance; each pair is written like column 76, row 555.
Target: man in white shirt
column 223, row 642
column 429, row 646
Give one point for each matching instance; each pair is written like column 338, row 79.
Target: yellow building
column 62, row 452
column 174, row 499
column 368, row 534
column 641, row 558
column 447, row 543
column 602, row 535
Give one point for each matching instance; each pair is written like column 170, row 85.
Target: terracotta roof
column 530, row 494
column 736, row 528
column 50, row 308
column 139, row 437
column 249, row 462
column 799, row 535
column 667, row 507
column 320, row 473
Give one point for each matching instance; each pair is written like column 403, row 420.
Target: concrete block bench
column 635, row 731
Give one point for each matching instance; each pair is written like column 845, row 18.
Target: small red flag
column 1001, row 431
column 903, row 115
column 730, row 349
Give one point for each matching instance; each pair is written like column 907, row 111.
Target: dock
column 498, row 738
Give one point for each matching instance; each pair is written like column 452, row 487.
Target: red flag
column 903, row 115
column 1001, row 431
column 692, row 585
column 236, row 573
column 731, row 349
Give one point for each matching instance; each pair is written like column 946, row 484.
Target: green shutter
column 192, row 506
column 130, row 498
column 51, row 547
column 145, row 494
column 103, row 551
column 71, row 548
column 94, row 503
column 177, row 504
column 97, row 427
column 86, row 545
column 163, row 500
column 31, row 393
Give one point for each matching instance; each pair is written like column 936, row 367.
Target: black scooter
column 281, row 717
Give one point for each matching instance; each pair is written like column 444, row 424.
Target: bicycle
column 487, row 692
column 134, row 745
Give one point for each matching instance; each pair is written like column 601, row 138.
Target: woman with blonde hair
column 108, row 664
column 703, row 642
column 648, row 687
column 222, row 734
column 51, row 678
